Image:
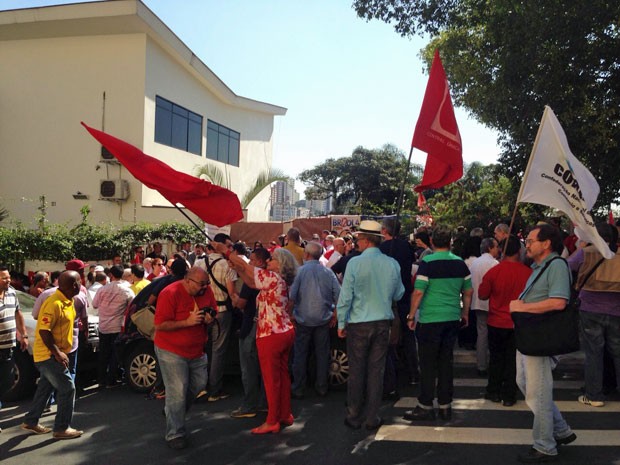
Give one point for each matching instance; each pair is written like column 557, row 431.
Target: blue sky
column 345, row 82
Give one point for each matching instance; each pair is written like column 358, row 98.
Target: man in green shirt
column 442, row 284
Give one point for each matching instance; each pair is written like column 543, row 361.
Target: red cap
column 75, row 265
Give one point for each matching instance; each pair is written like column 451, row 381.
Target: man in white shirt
column 111, row 301
column 490, row 251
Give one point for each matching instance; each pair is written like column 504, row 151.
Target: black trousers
column 502, row 363
column 436, row 351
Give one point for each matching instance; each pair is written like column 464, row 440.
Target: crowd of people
column 401, row 305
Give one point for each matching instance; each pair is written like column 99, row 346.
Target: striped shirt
column 8, row 306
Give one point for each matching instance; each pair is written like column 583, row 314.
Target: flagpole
column 525, row 175
column 401, row 195
column 192, row 221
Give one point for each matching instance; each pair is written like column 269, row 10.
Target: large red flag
column 437, row 133
column 211, row 203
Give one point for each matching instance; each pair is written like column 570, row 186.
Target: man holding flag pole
column 554, row 178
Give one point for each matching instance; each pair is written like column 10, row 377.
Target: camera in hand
column 209, row 311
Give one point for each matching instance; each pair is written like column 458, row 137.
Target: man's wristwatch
column 410, row 317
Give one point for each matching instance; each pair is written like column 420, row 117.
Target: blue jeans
column 436, row 350
column 482, row 342
column 303, row 336
column 219, row 345
column 535, row 379
column 599, row 332
column 367, row 345
column 250, row 373
column 54, row 376
column 184, row 378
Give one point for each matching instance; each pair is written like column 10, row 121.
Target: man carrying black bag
column 534, row 374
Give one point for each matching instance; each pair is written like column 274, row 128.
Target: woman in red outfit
column 274, row 330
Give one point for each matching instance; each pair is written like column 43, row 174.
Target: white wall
column 47, row 86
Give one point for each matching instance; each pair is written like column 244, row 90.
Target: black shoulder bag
column 550, row 333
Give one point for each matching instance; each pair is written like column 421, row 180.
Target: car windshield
column 26, row 301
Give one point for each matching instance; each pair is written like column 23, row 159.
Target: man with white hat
column 372, row 282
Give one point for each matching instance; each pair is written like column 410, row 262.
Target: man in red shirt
column 501, row 284
column 180, row 336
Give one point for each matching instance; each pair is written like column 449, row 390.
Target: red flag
column 211, row 203
column 437, row 133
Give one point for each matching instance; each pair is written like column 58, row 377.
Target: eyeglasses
column 201, row 283
column 530, row 241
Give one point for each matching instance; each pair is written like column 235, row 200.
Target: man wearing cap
column 80, row 302
column 372, row 282
column 52, row 343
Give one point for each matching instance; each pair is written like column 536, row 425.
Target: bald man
column 52, row 344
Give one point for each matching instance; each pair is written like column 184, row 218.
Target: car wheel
column 140, row 367
column 26, row 376
column 338, row 368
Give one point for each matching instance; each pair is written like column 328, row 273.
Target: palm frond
column 213, row 174
column 263, row 180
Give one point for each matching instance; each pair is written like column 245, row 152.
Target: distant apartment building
column 116, row 66
column 283, row 200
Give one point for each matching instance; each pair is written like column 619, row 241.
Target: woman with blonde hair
column 275, row 333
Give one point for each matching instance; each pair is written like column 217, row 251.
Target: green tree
column 483, row 197
column 505, row 60
column 367, row 182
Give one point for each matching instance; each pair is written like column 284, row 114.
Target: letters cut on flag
column 555, row 178
column 213, row 204
column 437, row 133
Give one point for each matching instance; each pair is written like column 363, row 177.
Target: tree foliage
column 506, row 59
column 482, row 198
column 367, row 182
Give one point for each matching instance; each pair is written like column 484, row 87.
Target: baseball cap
column 75, row 265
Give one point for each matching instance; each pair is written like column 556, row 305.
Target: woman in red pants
column 274, row 330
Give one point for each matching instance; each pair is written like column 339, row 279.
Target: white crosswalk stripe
column 451, row 433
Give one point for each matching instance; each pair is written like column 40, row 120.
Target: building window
column 177, row 127
column 222, row 143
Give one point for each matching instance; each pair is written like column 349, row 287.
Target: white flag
column 555, row 178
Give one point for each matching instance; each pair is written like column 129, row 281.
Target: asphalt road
column 122, row 427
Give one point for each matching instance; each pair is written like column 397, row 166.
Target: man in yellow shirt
column 293, row 238
column 52, row 343
column 139, row 280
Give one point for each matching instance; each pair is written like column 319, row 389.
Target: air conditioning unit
column 117, row 189
column 106, row 156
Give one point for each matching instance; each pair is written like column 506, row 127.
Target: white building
column 117, row 67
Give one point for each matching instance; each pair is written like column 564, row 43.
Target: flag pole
column 401, row 196
column 192, row 221
column 525, row 175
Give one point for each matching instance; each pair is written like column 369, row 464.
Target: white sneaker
column 594, row 403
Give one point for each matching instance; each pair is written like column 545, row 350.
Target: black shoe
column 492, row 397
column 177, row 443
column 509, row 402
column 445, row 413
column 533, row 456
column 376, row 426
column 483, row 373
column 566, row 440
column 419, row 413
column 350, row 424
column 393, row 395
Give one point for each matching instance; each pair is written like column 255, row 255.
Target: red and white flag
column 437, row 133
